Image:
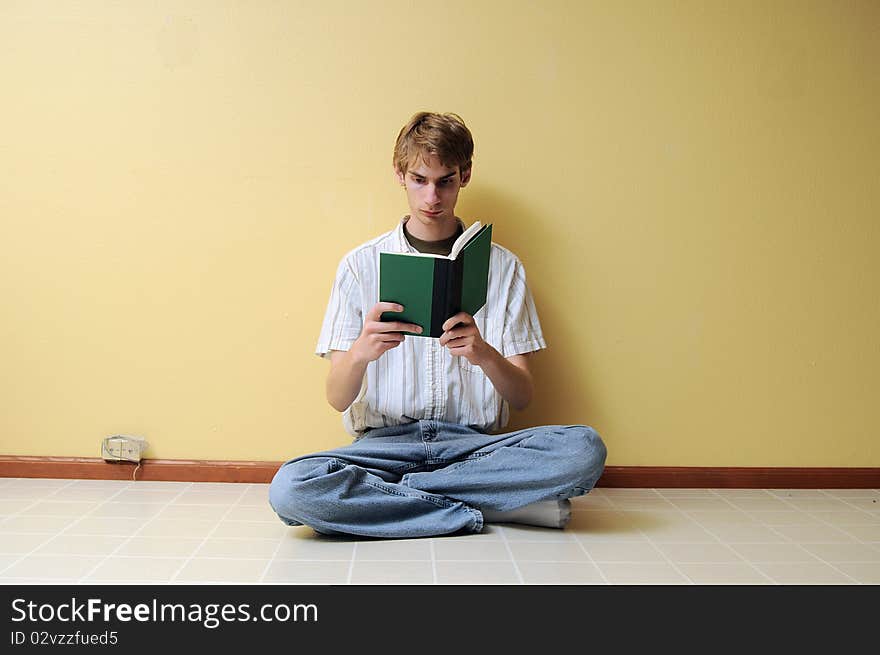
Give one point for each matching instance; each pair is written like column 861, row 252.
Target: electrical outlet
column 122, row 448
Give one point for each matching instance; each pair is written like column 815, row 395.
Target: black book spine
column 440, row 300
column 446, row 302
column 456, row 273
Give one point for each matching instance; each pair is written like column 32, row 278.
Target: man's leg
column 355, row 490
column 501, row 474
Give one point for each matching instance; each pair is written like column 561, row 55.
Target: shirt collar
column 400, row 242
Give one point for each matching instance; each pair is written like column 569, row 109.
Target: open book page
column 462, row 240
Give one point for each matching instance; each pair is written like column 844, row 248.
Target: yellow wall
column 693, row 187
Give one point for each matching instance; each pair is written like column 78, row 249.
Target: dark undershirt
column 442, row 247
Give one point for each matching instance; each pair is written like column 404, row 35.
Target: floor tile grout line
column 351, row 563
column 846, row 532
column 20, row 512
column 746, row 514
column 740, row 557
column 755, row 514
column 857, row 508
column 816, row 515
column 813, row 555
column 859, row 493
column 107, row 501
column 801, row 545
column 664, row 556
column 34, row 501
column 655, row 495
column 504, row 540
column 726, row 544
column 173, row 578
column 779, row 534
column 54, row 535
column 49, row 537
column 730, row 547
column 84, row 578
column 843, row 528
column 808, row 511
column 592, row 561
column 272, row 559
column 433, row 561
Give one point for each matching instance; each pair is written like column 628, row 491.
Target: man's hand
column 462, row 336
column 509, row 375
column 347, row 368
column 378, row 337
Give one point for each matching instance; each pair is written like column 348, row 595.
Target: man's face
column 432, row 191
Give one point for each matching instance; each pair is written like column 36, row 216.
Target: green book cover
column 433, row 288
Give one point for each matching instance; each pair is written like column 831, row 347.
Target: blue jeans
column 430, row 478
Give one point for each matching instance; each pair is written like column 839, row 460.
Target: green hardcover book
column 433, row 288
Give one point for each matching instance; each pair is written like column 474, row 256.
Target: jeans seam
column 406, row 468
column 441, row 502
column 470, row 458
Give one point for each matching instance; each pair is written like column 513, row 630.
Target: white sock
column 547, row 514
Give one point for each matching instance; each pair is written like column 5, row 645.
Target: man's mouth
column 428, row 212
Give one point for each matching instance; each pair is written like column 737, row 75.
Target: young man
column 423, row 411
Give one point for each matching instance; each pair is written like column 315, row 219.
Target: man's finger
column 375, row 313
column 461, row 342
column 397, row 326
column 446, row 337
column 461, row 317
column 455, row 333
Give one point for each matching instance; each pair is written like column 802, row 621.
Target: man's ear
column 399, row 177
column 466, row 175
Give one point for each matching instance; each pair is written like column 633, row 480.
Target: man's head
column 433, row 160
column 428, row 133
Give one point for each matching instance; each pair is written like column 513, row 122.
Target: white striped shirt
column 420, row 379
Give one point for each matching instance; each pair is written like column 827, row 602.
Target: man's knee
column 588, row 450
column 287, row 493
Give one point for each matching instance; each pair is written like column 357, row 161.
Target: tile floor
column 101, row 531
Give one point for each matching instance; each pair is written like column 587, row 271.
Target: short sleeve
column 343, row 319
column 522, row 329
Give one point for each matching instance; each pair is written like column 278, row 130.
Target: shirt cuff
column 510, row 348
column 323, row 349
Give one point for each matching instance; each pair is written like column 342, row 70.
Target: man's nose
column 432, row 195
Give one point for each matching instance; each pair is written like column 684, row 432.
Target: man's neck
column 431, row 232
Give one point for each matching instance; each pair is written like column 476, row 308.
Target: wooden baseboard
column 718, row 477
column 184, row 470
column 658, row 477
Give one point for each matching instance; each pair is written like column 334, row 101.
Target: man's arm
column 345, row 379
column 347, row 368
column 510, row 376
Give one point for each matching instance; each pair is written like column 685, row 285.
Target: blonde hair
column 428, row 133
